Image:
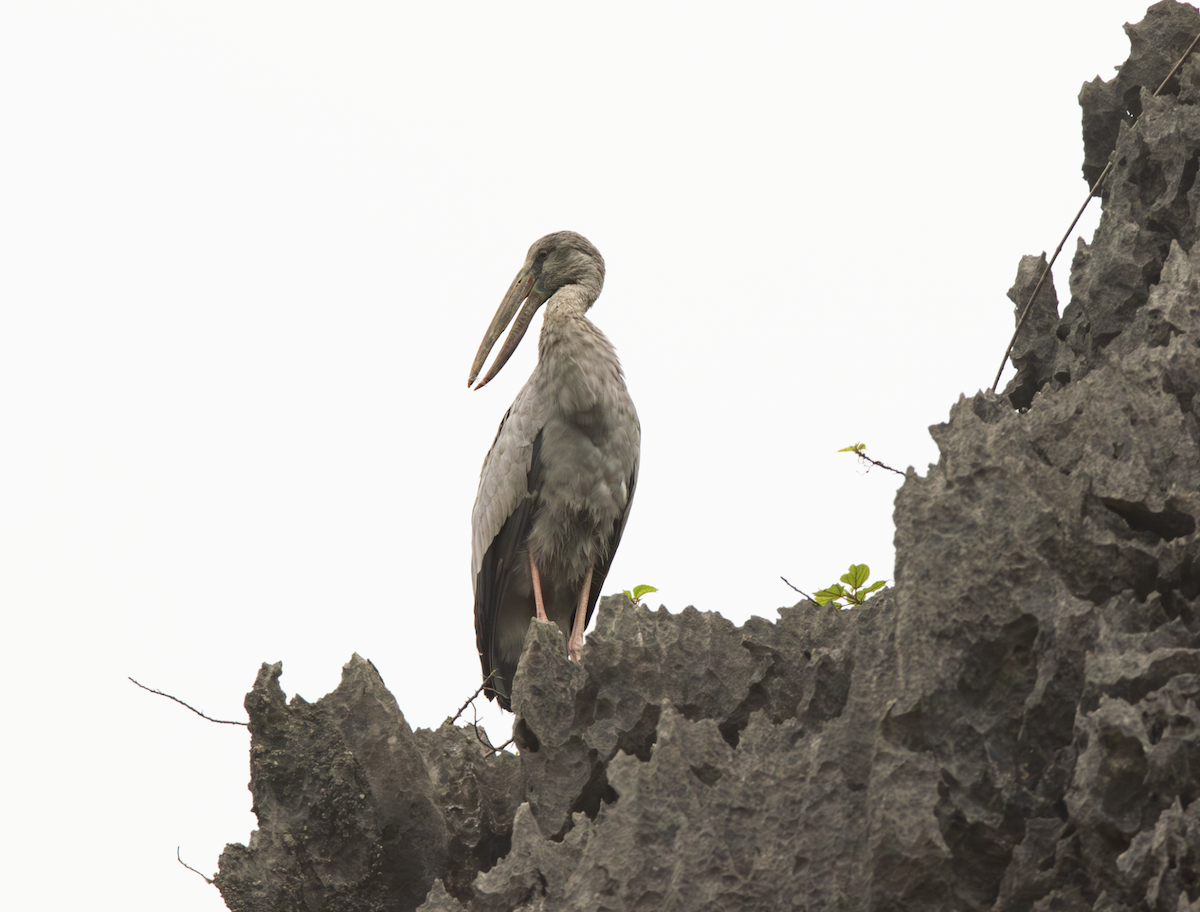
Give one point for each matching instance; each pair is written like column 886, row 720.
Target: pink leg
column 575, row 644
column 537, row 590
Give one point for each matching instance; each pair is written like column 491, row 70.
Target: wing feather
column 500, row 522
column 504, row 479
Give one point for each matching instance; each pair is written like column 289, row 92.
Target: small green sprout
column 855, row 578
column 638, row 591
column 860, row 450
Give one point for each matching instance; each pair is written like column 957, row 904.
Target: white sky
column 249, row 253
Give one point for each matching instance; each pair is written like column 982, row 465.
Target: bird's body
column 557, row 484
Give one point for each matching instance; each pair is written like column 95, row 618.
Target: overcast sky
column 250, row 250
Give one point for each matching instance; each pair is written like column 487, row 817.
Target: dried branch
column 801, row 591
column 475, row 724
column 192, row 708
column 482, row 739
column 177, row 858
column 863, row 456
column 1074, row 221
column 470, row 700
column 1178, row 63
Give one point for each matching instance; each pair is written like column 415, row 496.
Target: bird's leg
column 575, row 644
column 537, row 590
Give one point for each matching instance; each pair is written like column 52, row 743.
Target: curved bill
column 522, row 289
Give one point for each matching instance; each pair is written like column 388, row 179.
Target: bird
column 556, row 485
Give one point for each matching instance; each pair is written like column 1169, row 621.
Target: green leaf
column 831, row 594
column 629, row 595
column 878, row 584
column 853, row 448
column 639, row 591
column 857, row 576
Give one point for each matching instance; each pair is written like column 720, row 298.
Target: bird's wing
column 500, row 523
column 504, row 479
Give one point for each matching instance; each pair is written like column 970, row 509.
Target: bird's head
column 553, row 262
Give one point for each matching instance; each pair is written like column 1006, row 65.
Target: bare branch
column 1162, row 85
column 485, row 742
column 1058, row 249
column 470, row 700
column 177, row 858
column 475, row 728
column 863, row 456
column 1046, row 272
column 475, row 725
column 801, row 591
column 192, row 708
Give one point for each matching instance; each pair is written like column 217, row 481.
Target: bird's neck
column 577, row 364
column 565, row 318
column 570, row 301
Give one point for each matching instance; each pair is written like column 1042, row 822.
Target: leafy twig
column 855, row 578
column 860, row 450
column 638, row 591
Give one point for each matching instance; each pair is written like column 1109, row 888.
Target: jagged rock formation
column 1013, row 726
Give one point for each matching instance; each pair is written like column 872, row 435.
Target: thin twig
column 475, row 725
column 177, row 858
column 486, row 743
column 864, row 456
column 192, row 708
column 801, row 591
column 480, row 738
column 1046, row 272
column 470, row 700
column 1058, row 249
column 1178, row 64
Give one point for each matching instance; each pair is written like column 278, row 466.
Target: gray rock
column 1015, row 725
column 1155, row 44
column 352, row 815
column 1036, row 353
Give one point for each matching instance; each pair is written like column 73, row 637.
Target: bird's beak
column 524, row 289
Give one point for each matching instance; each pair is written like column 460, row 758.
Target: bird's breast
column 579, row 374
